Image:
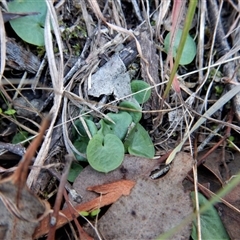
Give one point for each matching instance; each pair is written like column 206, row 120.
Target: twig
column 54, row 217
column 20, row 174
column 137, row 10
column 14, row 148
column 79, row 63
column 82, row 233
column 223, row 48
column 75, row 196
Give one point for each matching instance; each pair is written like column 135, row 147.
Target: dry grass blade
column 81, row 39
column 20, row 174
column 19, row 208
column 201, row 38
column 19, row 124
column 54, row 216
column 163, row 9
column 56, row 72
column 99, row 14
column 177, row 14
column 2, row 47
column 221, row 102
column 122, row 187
column 86, row 18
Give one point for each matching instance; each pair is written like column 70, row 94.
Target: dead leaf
column 131, row 168
column 153, row 207
column 17, row 57
column 83, row 235
column 18, row 217
column 230, row 217
column 212, row 163
column 231, row 220
column 110, row 79
column 112, row 191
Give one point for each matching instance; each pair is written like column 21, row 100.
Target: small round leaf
column 74, row 171
column 79, row 128
column 211, row 223
column 95, row 212
column 19, row 137
column 133, row 109
column 139, row 85
column 122, row 121
column 189, row 50
column 29, row 28
column 10, row 111
column 81, row 145
column 105, row 153
column 139, row 143
column 84, row 213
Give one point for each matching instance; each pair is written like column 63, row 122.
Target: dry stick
column 137, row 10
column 20, row 175
column 56, row 73
column 99, row 14
column 67, row 216
column 17, row 149
column 223, row 49
column 195, row 177
column 197, row 201
column 227, row 134
column 82, row 233
column 54, row 217
column 224, row 161
column 203, row 9
column 75, row 196
column 79, row 63
column 208, row 193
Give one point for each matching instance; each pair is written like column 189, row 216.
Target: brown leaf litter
column 153, row 207
column 111, row 193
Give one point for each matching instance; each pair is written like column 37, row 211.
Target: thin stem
column 187, row 25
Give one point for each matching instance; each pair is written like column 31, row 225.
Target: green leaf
column 139, row 85
column 218, row 90
column 139, row 142
column 189, row 50
column 19, row 137
column 211, row 224
column 95, row 212
column 122, row 121
column 79, row 133
column 105, row 153
column 81, row 130
column 134, row 110
column 84, row 213
column 10, row 112
column 81, row 145
column 0, row 110
column 29, row 28
column 74, row 171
